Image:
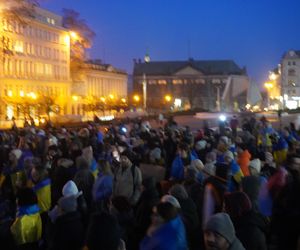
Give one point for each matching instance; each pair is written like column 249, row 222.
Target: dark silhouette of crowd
column 132, row 186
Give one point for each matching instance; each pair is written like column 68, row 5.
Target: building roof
column 207, row 67
column 99, row 66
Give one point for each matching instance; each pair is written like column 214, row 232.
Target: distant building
column 99, row 82
column 36, row 61
column 190, row 83
column 290, row 78
column 36, row 68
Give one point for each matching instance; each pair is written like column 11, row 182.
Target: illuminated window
column 177, row 81
column 162, row 82
column 19, row 47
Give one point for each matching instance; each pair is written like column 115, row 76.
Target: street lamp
column 136, row 98
column 168, row 98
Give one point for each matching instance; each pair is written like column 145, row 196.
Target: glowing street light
column 74, row 35
column 22, row 93
column 75, row 98
column 136, row 98
column 102, row 99
column 9, row 93
column 123, row 100
column 111, row 96
column 33, row 95
column 268, row 85
column 168, row 98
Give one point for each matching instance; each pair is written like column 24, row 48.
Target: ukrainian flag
column 94, row 168
column 43, row 192
column 27, row 227
column 280, row 150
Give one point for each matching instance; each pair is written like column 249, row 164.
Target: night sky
column 253, row 33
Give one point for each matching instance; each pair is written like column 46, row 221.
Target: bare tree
column 82, row 40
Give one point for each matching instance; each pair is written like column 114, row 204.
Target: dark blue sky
column 253, row 33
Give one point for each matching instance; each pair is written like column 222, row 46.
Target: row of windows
column 182, row 81
column 104, row 87
column 34, row 49
column 14, row 67
column 291, row 63
column 18, row 90
column 29, row 31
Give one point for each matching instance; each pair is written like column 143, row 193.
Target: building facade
column 100, row 84
column 193, row 84
column 36, row 63
column 35, row 76
column 290, row 79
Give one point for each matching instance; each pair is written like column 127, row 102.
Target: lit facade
column 290, row 79
column 99, row 83
column 191, row 84
column 36, row 61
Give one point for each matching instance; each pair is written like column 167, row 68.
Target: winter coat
column 251, row 229
column 177, row 170
column 102, row 188
column 68, row 232
column 170, row 236
column 125, row 185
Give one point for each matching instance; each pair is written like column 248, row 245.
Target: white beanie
column 200, row 144
column 70, row 189
column 155, row 154
column 17, row 153
column 256, row 164
column 170, row 199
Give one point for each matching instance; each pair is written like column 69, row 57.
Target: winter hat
column 256, row 164
column 17, row 153
column 170, row 199
column 70, row 189
column 200, row 145
column 68, row 204
column 41, row 133
column 155, row 154
column 237, row 204
column 224, row 139
column 221, row 224
column 53, row 141
column 197, row 164
column 84, row 132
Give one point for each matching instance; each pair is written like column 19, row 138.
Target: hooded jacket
column 221, row 223
column 170, row 236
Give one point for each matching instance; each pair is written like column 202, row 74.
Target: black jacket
column 68, row 233
column 251, row 230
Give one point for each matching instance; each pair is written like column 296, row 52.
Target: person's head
column 237, row 204
column 67, row 204
column 38, row 171
column 179, row 192
column 103, row 232
column 125, row 162
column 82, row 163
column 219, row 232
column 228, row 157
column 183, row 150
column 70, row 189
column 15, row 155
column 163, row 212
column 255, row 167
column 211, row 157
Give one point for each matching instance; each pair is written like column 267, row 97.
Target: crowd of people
column 92, row 188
